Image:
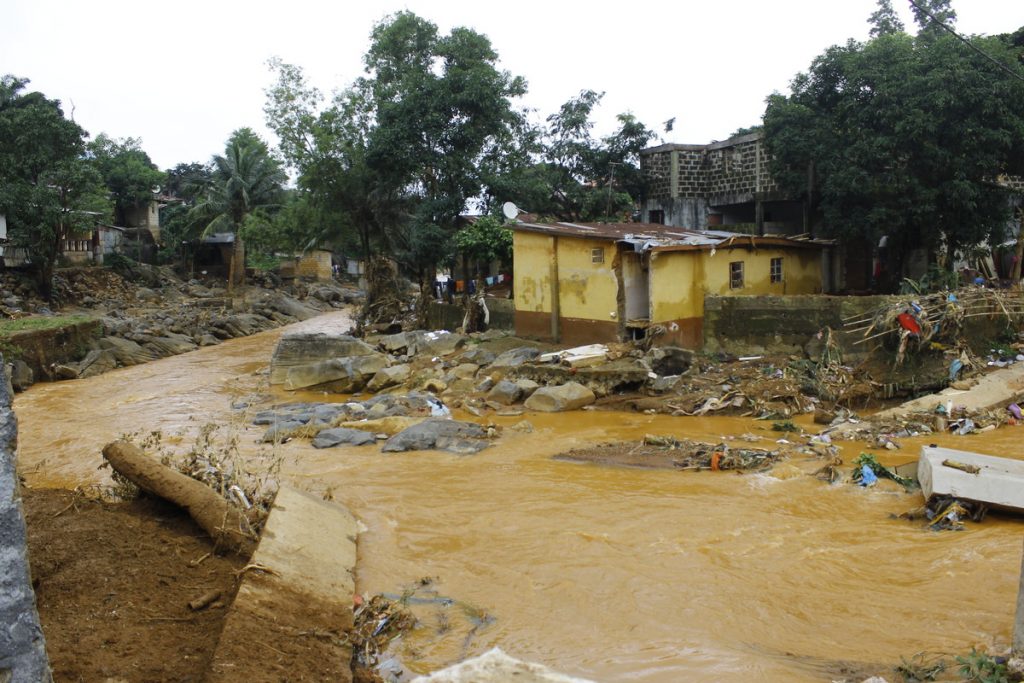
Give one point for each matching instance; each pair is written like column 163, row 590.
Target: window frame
column 776, row 275
column 736, row 267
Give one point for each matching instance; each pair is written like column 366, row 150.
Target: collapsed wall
column 22, row 648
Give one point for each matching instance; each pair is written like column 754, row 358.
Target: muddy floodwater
column 608, row 573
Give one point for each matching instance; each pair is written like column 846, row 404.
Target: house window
column 657, row 216
column 736, row 275
column 597, row 255
column 776, row 270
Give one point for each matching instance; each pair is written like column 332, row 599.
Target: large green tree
column 246, row 178
column 570, row 175
column 49, row 192
column 903, row 136
column 129, row 174
column 398, row 155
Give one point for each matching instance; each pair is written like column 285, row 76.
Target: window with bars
column 597, row 255
column 736, row 275
column 776, row 269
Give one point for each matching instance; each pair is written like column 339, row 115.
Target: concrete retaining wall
column 22, row 648
column 748, row 325
column 43, row 348
column 449, row 316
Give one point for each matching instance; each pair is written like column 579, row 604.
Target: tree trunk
column 1019, row 251
column 236, row 268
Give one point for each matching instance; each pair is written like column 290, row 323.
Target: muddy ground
column 113, row 582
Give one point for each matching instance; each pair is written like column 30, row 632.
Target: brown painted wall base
column 687, row 333
column 573, row 331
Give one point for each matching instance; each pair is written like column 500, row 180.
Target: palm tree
column 246, row 178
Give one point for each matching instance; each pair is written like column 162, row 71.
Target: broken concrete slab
column 992, row 391
column 295, row 598
column 494, row 666
column 971, row 476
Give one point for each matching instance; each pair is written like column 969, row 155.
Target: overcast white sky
column 182, row 75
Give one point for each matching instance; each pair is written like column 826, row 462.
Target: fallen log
column 226, row 525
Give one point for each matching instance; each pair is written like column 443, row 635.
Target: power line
column 968, row 43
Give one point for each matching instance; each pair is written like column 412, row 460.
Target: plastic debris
column 867, row 476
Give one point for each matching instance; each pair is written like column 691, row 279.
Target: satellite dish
column 155, row 189
column 510, row 210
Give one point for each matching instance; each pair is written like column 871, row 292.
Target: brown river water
column 608, row 573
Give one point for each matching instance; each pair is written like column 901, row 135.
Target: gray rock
column 289, row 306
column 479, row 356
column 341, row 375
column 527, row 386
column 61, row 372
column 569, row 396
column 462, row 371
column 435, row 433
column 208, row 340
column 505, row 392
column 281, row 431
column 664, row 384
column 304, row 348
column 125, row 351
column 389, row 377
column 440, row 343
column 329, row 438
column 22, row 376
column 146, row 294
column 170, row 345
column 485, row 385
column 515, row 357
column 96, row 362
column 397, row 343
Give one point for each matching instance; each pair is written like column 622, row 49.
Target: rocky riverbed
column 150, row 312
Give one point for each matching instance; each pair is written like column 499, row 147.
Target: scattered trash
column 866, row 477
column 867, row 471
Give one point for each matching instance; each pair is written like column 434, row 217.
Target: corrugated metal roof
column 650, row 236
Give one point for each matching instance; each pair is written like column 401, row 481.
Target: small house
column 601, row 282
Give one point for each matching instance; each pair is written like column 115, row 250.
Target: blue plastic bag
column 867, row 476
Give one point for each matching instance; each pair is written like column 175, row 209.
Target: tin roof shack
column 600, row 282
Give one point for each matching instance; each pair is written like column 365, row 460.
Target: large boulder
column 96, row 362
column 569, row 396
column 126, row 351
column 341, row 375
column 22, row 376
column 170, row 344
column 389, row 377
column 439, row 433
column 289, row 306
column 440, row 343
column 338, row 436
column 505, row 393
column 305, row 348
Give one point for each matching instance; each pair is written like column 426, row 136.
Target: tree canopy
column 49, row 192
column 245, row 179
column 903, row 135
column 129, row 174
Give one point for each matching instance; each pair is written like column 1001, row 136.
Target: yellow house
column 600, row 282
